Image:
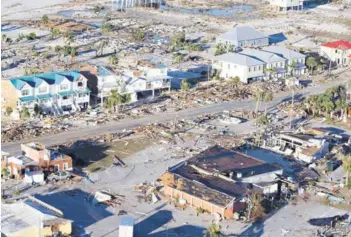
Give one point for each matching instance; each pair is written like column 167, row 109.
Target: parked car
column 54, row 177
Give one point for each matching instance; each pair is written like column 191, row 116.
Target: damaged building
column 218, row 180
column 303, row 146
column 35, row 160
column 33, row 218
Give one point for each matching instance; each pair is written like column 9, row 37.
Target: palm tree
column 268, row 96
column 44, row 19
column 213, row 230
column 73, row 53
column 311, row 63
column 114, row 100
column 103, row 44
column 258, row 96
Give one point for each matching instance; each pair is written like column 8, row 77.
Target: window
column 259, row 68
column 336, row 51
column 43, row 89
column 255, row 68
column 65, row 97
column 80, row 84
column 56, row 168
column 63, row 87
column 249, row 69
column 228, row 65
column 65, row 166
column 281, row 64
column 25, row 92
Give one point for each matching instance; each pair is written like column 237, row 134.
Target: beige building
column 337, row 51
column 33, row 218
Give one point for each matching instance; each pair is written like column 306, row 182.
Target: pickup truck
column 54, row 177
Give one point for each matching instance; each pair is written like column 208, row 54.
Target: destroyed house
column 36, row 157
column 32, row 218
column 305, row 147
column 217, row 180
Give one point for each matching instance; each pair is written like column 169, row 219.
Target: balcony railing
column 66, row 102
column 83, row 99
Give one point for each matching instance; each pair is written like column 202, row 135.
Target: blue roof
column 50, row 78
column 27, row 98
column 33, row 81
column 18, row 84
column 44, row 96
column 71, row 75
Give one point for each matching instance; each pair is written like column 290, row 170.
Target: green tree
column 31, row 36
column 24, row 113
column 235, row 81
column 69, row 37
column 54, row 33
column 113, row 59
column 4, row 37
column 106, row 27
column 311, row 63
column 213, row 230
column 44, row 19
column 223, row 48
column 9, row 110
column 185, row 85
column 178, row 58
column 5, row 172
column 115, row 100
column 139, row 35
column 37, row 110
column 178, row 38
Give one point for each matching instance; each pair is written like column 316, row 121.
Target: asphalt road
column 83, row 133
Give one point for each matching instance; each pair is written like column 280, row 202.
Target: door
column 56, row 168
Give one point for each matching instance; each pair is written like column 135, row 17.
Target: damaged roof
column 224, row 161
column 214, row 184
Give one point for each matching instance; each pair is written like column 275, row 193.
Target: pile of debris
column 106, row 198
column 16, row 132
column 149, row 192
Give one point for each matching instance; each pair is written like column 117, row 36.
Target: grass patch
column 100, row 156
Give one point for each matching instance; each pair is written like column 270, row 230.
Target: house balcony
column 84, row 99
column 65, row 102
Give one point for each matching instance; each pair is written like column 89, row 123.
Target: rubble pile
column 214, row 92
column 15, row 132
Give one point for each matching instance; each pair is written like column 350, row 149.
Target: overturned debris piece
column 101, row 197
